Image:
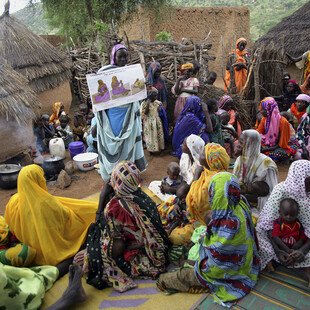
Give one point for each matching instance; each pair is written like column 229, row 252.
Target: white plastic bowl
column 86, row 161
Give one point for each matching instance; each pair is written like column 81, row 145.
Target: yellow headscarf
column 187, row 66
column 4, row 230
column 55, row 227
column 197, row 200
column 55, row 116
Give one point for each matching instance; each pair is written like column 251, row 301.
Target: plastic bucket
column 76, row 148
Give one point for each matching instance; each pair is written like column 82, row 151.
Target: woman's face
column 307, row 184
column 290, row 87
column 301, row 105
column 188, row 73
column 157, row 73
column 264, row 112
column 240, row 145
column 203, row 161
column 185, row 148
column 121, row 57
column 241, row 46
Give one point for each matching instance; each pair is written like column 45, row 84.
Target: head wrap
column 295, row 181
column 216, row 157
column 125, row 179
column 272, row 121
column 223, row 100
column 116, row 48
column 153, row 68
column 241, row 40
column 187, row 66
column 196, row 146
column 192, row 105
column 303, row 97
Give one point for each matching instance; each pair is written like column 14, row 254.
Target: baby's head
column 225, row 118
column 173, row 171
column 212, row 105
column 289, row 210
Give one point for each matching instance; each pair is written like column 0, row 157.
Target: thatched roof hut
column 44, row 66
column 292, row 36
column 19, row 106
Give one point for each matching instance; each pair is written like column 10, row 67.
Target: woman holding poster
column 119, row 128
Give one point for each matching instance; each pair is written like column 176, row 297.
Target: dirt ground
column 87, row 183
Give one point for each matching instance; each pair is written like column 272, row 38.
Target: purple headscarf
column 223, row 100
column 116, row 48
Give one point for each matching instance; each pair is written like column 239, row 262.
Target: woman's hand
column 284, row 258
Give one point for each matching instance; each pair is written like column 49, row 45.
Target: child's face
column 152, row 96
column 288, row 211
column 173, row 173
column 188, row 73
column 63, row 124
column 225, row 118
column 213, row 108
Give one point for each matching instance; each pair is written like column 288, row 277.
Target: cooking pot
column 8, row 175
column 52, row 165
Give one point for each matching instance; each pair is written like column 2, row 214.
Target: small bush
column 163, row 36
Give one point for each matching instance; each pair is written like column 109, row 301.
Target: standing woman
column 119, row 129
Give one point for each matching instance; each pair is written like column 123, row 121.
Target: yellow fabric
column 187, row 66
column 4, row 230
column 55, row 116
column 197, row 200
column 19, row 255
column 55, row 227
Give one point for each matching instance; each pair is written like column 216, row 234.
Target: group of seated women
column 127, row 236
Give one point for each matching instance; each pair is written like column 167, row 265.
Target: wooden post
column 175, row 69
column 142, row 61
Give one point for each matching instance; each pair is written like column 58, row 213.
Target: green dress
column 216, row 136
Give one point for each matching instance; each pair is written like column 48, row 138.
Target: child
column 44, row 132
column 64, row 131
column 211, row 78
column 152, row 126
column 172, row 182
column 216, row 136
column 186, row 85
column 229, row 133
column 80, row 125
column 288, row 234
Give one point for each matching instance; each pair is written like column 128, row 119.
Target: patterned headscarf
column 116, row 48
column 192, row 105
column 223, row 100
column 125, row 179
column 295, row 181
column 153, row 68
column 216, row 157
column 272, row 121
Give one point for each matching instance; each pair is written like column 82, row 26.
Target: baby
column 229, row 132
column 288, row 233
column 170, row 183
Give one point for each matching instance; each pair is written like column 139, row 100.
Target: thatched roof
column 41, row 63
column 17, row 100
column 293, row 32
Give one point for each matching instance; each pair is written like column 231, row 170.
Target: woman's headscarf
column 116, row 48
column 305, row 88
column 153, row 68
column 196, row 146
column 197, row 199
column 223, row 100
column 295, row 181
column 270, row 137
column 125, row 179
column 241, row 40
column 192, row 105
column 47, row 223
column 187, row 66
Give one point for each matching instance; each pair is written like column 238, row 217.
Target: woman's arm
column 209, row 127
column 193, row 91
column 104, row 198
column 177, row 85
column 255, row 190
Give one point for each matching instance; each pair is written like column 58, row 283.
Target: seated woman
column 257, row 173
column 275, row 132
column 128, row 233
column 103, row 92
column 215, row 270
column 290, row 93
column 299, row 108
column 118, row 87
column 297, row 187
column 303, row 136
column 194, row 119
column 226, row 103
column 213, row 161
column 55, row 227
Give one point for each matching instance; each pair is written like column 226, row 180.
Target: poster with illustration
column 116, row 87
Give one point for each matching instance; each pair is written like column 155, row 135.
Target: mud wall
column 61, row 93
column 226, row 24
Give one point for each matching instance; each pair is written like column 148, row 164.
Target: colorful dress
column 103, row 95
column 253, row 166
column 152, row 126
column 228, row 258
column 130, row 225
column 191, row 121
column 217, row 135
column 292, row 187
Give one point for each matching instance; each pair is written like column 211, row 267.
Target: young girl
column 64, row 131
column 152, row 125
column 216, row 135
column 186, row 85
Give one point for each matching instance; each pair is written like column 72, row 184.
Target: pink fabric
column 270, row 137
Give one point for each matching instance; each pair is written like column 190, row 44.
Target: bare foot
column 269, row 267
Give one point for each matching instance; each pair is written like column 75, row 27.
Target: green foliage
column 265, row 14
column 163, row 36
column 81, row 20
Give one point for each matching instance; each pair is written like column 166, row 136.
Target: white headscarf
column 196, row 146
